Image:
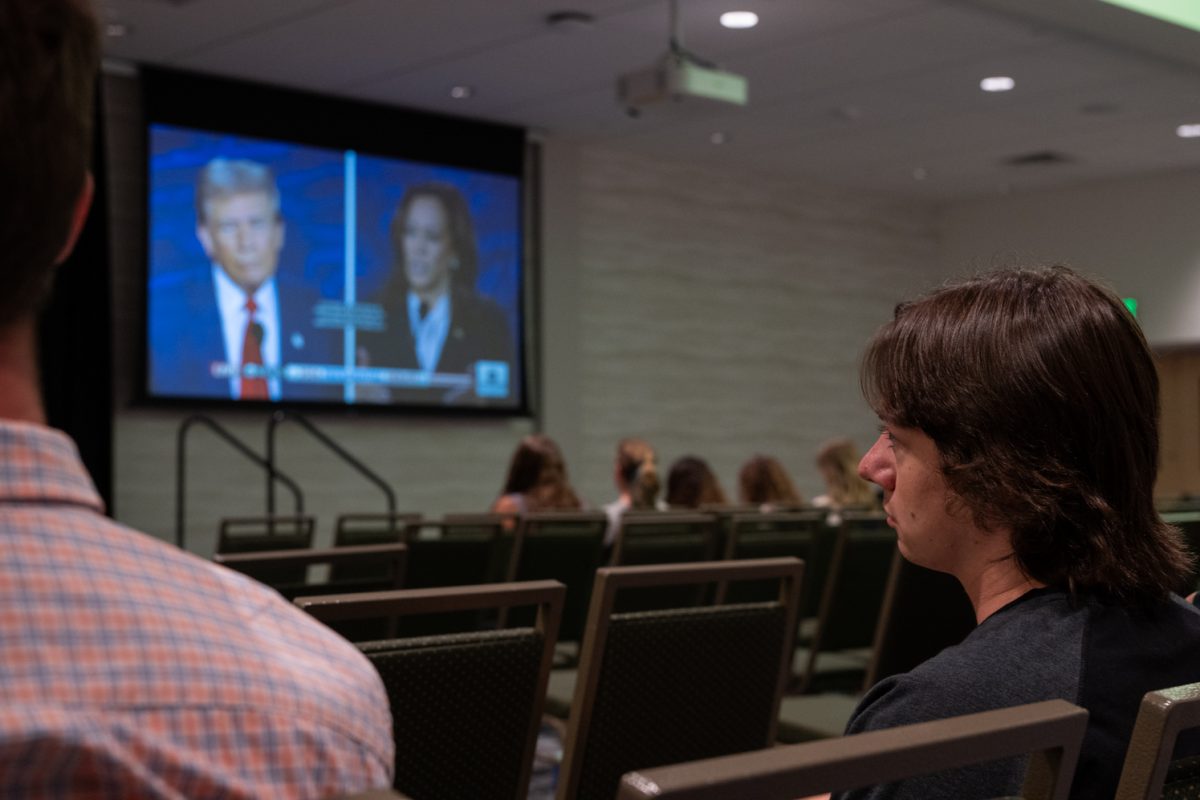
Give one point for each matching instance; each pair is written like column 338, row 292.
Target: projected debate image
column 281, row 272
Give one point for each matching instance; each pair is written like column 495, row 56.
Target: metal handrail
column 281, row 416
column 237, row 444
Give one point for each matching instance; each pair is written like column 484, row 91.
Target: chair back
column 258, row 534
column 665, row 537
column 1050, row 731
column 1149, row 772
column 467, row 705
column 658, row 687
column 371, row 528
column 350, row 530
column 386, row 562
column 565, row 546
column 802, row 534
column 853, row 595
column 924, row 612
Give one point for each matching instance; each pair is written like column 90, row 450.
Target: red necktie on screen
column 252, row 388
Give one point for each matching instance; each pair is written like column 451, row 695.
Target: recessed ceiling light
column 718, row 137
column 461, row 92
column 1188, row 131
column 997, row 83
column 920, row 174
column 115, row 30
column 739, row 19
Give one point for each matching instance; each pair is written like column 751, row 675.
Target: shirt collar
column 41, row 465
column 232, row 298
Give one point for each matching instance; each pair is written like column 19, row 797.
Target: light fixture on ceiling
column 461, row 92
column 719, row 137
column 739, row 20
column 997, row 83
column 1188, row 131
column 920, row 174
column 116, row 30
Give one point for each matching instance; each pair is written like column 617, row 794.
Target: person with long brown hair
column 537, row 479
column 635, row 474
column 692, row 484
column 763, row 482
column 1018, row 453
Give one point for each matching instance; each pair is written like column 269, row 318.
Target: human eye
column 886, row 433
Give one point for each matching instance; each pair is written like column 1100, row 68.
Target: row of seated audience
column 537, row 481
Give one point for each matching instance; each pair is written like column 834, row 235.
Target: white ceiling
column 865, row 94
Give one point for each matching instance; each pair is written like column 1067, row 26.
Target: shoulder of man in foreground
column 138, row 669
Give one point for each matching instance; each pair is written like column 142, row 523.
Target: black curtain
column 76, row 336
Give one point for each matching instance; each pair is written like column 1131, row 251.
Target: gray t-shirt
column 1094, row 653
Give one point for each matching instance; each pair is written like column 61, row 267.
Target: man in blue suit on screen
column 228, row 331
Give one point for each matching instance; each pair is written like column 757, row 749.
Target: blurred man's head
column 49, row 55
column 238, row 220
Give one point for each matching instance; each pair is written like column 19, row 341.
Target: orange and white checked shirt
column 129, row 668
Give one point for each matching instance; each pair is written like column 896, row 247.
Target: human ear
column 83, row 202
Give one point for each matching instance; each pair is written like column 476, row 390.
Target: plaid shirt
column 129, row 668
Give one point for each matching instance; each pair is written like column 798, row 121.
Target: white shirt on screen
column 429, row 333
column 231, row 300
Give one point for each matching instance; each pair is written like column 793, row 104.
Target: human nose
column 878, row 465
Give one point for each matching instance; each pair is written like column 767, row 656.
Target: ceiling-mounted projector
column 679, row 75
column 676, row 77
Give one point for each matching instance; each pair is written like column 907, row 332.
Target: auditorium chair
column 840, row 650
column 1149, row 772
column 923, row 613
column 386, row 563
column 1050, row 731
column 665, row 537
column 467, row 705
column 258, row 534
column 371, row 528
column 564, row 546
column 658, row 687
column 802, row 534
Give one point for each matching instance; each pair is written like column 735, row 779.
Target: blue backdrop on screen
column 312, row 183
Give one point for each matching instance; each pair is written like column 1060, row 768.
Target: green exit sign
column 1178, row 12
column 1131, row 304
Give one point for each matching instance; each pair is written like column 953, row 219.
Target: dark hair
column 538, row 472
column 635, row 464
column 691, row 484
column 1039, row 390
column 762, row 479
column 49, row 54
column 460, row 230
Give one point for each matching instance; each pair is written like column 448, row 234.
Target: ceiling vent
column 1040, row 158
